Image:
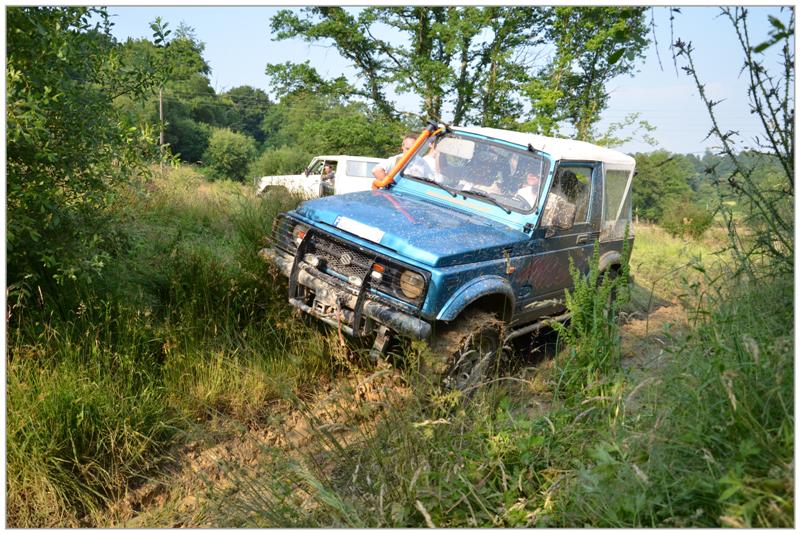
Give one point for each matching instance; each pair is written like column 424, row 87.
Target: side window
column 360, row 169
column 617, row 204
column 316, row 167
column 569, row 198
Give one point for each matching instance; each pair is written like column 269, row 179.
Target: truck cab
column 348, row 174
column 468, row 246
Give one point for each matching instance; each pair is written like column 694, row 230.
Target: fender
column 612, row 257
column 475, row 289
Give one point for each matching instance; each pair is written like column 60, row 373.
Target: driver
column 327, row 172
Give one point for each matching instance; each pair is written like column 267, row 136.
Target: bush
column 188, row 138
column 66, row 145
column 593, row 332
column 228, row 154
column 283, row 160
column 682, row 218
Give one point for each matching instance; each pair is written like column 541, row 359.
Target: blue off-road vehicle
column 466, row 243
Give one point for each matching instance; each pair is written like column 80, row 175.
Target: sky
column 239, row 44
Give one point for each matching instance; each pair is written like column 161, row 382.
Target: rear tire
column 611, row 312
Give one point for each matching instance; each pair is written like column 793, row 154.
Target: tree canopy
column 493, row 66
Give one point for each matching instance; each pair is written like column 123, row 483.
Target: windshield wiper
column 432, row 182
column 485, row 196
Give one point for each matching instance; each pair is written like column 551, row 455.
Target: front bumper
column 352, row 305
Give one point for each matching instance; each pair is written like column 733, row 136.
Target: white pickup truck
column 351, row 173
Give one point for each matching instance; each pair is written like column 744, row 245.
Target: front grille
column 281, row 236
column 338, row 257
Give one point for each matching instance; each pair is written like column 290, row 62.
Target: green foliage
column 186, row 325
column 593, row 331
column 188, row 139
column 319, row 124
column 83, row 416
column 630, row 128
column 686, row 219
column 480, row 58
column 661, row 179
column 284, row 160
column 293, row 78
column 728, row 393
column 229, row 154
column 593, row 45
column 66, row 145
column 189, row 103
column 248, row 107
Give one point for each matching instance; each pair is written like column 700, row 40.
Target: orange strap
column 389, row 178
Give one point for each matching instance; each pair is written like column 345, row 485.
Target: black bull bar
column 301, row 273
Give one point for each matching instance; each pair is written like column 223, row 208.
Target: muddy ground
column 177, row 495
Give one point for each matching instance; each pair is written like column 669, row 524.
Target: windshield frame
column 522, row 152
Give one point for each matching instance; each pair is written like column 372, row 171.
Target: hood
column 420, row 230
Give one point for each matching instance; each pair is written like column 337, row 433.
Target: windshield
column 511, row 178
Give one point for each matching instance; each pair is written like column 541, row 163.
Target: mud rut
column 178, row 494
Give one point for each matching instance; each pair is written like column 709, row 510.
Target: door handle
column 585, row 238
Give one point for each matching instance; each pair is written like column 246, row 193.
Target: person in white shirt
column 385, row 167
column 530, row 191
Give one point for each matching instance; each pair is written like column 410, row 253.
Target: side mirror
column 307, row 170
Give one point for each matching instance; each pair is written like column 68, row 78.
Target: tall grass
column 186, row 324
column 593, row 332
column 85, row 412
column 709, row 441
column 706, row 439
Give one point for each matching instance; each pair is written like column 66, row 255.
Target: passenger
column 385, row 167
column 425, row 166
column 530, row 191
column 432, row 159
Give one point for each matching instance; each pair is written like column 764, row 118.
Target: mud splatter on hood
column 424, row 231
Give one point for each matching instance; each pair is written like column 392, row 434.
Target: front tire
column 469, row 351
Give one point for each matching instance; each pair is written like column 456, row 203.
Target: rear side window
column 617, row 204
column 361, row 169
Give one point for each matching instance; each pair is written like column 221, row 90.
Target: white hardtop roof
column 556, row 147
column 353, row 158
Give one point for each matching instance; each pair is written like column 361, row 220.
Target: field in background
column 186, row 392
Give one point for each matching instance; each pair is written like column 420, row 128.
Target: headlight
column 412, row 284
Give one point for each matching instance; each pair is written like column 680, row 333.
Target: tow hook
column 379, row 346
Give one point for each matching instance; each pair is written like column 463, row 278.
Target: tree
column 246, row 112
column 352, row 40
column 229, row 154
column 661, row 179
column 444, row 58
column 66, row 143
column 593, row 45
column 322, row 124
column 482, row 60
column 186, row 100
column 293, row 78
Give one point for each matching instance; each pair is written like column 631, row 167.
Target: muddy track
column 178, row 495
